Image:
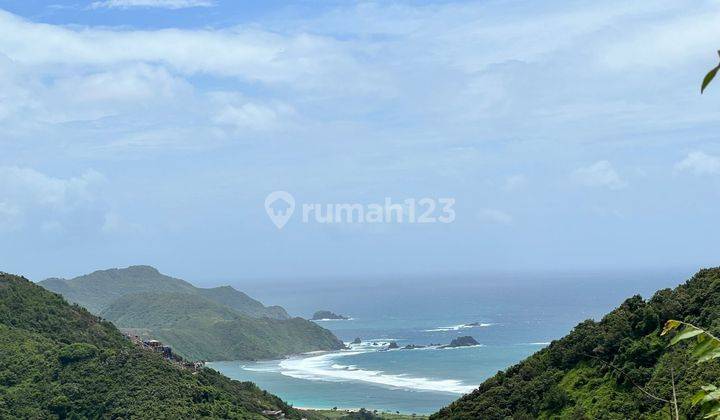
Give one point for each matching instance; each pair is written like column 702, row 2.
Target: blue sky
column 571, row 134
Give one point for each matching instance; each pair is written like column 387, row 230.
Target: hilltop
column 98, row 290
column 597, row 370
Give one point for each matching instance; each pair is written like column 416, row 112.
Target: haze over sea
column 516, row 316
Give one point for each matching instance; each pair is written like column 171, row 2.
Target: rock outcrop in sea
column 323, row 315
column 463, row 341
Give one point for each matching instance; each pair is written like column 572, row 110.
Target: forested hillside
column 60, row 361
column 617, row 368
column 200, row 324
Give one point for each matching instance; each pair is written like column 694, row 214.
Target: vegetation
column 200, row 324
column 618, row 368
column 709, row 77
column 705, row 347
column 98, row 290
column 60, row 361
column 199, row 329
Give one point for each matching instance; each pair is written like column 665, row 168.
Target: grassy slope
column 99, row 289
column 572, row 377
column 201, row 329
column 240, row 302
column 58, row 360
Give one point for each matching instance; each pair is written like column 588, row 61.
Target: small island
column 464, row 341
column 327, row 315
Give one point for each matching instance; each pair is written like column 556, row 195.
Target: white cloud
column 112, row 88
column 388, row 96
column 247, row 53
column 27, row 191
column 494, row 216
column 599, row 174
column 132, row 83
column 163, row 4
column 387, row 70
column 253, row 116
column 31, row 186
column 101, row 94
column 699, row 163
column 682, row 37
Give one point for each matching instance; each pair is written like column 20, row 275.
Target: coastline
column 387, row 415
column 373, row 376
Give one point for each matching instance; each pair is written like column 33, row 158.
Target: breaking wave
column 458, row 327
column 327, row 367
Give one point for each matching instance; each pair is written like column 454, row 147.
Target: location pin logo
column 280, row 206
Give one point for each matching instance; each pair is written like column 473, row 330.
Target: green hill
column 242, row 303
column 200, row 324
column 60, row 361
column 597, row 371
column 97, row 290
column 163, row 310
column 198, row 328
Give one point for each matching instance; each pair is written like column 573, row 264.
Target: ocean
column 510, row 316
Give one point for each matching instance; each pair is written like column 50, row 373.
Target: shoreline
column 295, row 367
column 399, row 414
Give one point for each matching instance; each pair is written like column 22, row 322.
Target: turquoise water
column 409, row 381
column 515, row 318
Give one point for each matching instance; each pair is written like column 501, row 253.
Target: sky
column 571, row 135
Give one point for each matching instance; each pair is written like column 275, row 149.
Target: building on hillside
column 153, row 344
column 158, row 346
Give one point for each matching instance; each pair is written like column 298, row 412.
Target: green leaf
column 698, row 397
column 712, row 355
column 705, row 347
column 687, row 332
column 708, row 78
